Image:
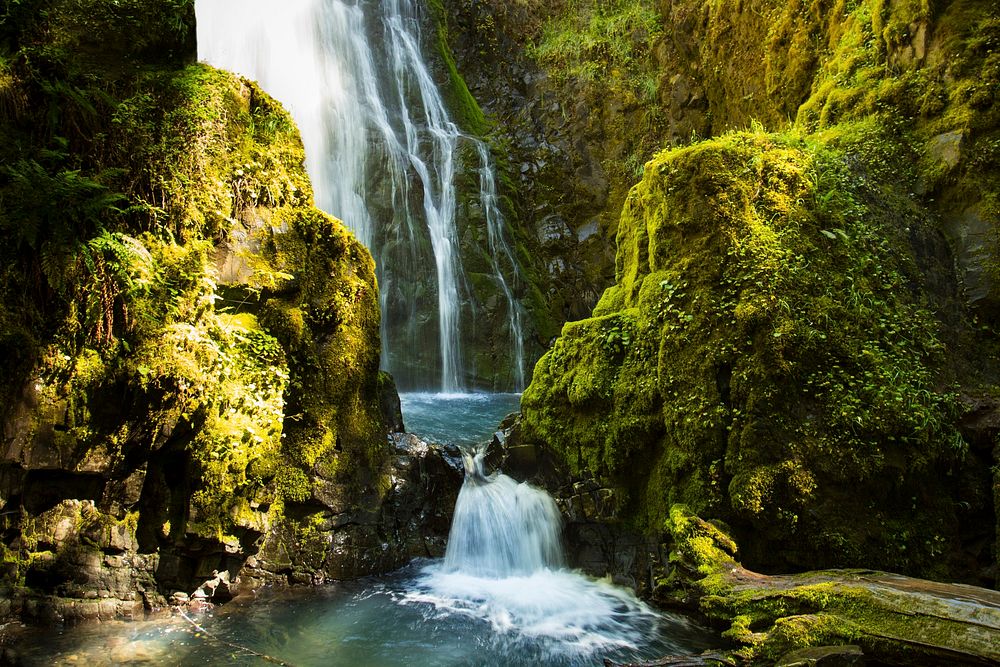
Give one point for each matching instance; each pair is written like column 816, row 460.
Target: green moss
column 152, row 171
column 599, row 39
column 758, row 356
column 234, row 375
column 328, row 320
column 102, row 34
column 699, row 545
column 892, row 619
column 230, row 149
column 460, row 100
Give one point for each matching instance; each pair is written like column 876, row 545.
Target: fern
column 127, row 260
column 61, row 208
column 117, row 267
column 59, row 223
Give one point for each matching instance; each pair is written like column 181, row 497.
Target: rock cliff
column 858, row 204
column 191, row 348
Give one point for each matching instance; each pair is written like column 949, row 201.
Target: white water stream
column 501, row 528
column 504, row 565
column 382, row 152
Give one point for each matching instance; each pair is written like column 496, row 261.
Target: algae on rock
column 895, row 619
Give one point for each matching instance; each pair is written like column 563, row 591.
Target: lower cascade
column 504, row 571
column 504, row 566
column 501, row 528
column 501, row 596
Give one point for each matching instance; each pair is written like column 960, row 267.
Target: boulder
column 892, row 618
column 749, row 362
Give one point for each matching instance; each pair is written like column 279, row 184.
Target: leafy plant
column 58, row 208
column 617, row 337
column 589, row 44
column 61, row 221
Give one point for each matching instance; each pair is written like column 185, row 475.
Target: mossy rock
column 327, row 318
column 772, row 354
column 194, row 344
column 895, row 619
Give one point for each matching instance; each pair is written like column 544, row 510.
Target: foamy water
column 565, row 615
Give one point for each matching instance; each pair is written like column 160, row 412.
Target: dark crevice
column 44, row 489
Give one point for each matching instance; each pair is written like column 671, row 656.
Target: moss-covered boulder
column 894, row 619
column 191, row 347
column 780, row 350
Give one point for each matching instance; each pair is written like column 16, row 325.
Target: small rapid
column 504, row 568
column 501, row 528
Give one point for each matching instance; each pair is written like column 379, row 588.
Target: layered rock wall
column 871, row 128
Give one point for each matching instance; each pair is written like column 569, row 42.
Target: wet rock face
column 596, row 538
column 602, row 544
column 571, row 143
column 389, row 405
column 84, row 566
column 426, row 479
column 551, row 177
column 412, row 521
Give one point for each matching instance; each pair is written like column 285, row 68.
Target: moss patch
column 893, row 618
column 460, row 100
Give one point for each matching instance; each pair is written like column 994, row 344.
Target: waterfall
column 504, row 565
column 383, row 156
column 311, row 56
column 501, row 528
column 501, row 254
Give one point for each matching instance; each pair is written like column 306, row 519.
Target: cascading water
column 310, row 55
column 501, row 254
column 382, row 153
column 501, row 528
column 504, row 565
column 384, row 156
column 498, row 598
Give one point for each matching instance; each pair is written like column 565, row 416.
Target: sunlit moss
column 759, row 355
column 235, row 400
column 769, row 617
